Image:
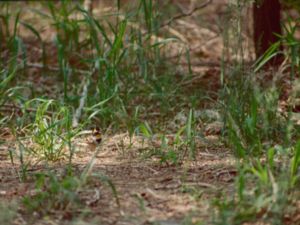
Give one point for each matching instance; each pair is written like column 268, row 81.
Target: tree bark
column 266, row 14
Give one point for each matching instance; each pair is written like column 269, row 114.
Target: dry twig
column 182, row 15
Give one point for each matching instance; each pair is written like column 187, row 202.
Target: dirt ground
column 148, row 191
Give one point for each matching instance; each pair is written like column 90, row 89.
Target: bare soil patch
column 148, row 191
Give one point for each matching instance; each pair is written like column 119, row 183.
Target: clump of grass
column 252, row 117
column 56, row 192
column 8, row 212
column 265, row 191
column 51, row 130
column 53, row 193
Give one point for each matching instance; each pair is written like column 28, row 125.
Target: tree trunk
column 266, row 14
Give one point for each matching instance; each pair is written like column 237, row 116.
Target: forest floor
column 132, row 181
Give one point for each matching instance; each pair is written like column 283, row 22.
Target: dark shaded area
column 266, row 16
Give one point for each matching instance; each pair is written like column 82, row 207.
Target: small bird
column 97, row 136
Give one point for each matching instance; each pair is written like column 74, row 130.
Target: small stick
column 182, row 15
column 78, row 111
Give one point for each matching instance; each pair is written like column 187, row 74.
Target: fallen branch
column 82, row 101
column 182, row 15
